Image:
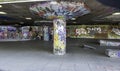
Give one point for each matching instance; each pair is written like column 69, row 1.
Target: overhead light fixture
column 117, row 13
column 16, row 24
column 73, row 19
column 21, row 22
column 2, row 12
column 0, row 6
column 74, row 22
column 43, row 21
column 18, row 1
column 53, row 2
column 28, row 18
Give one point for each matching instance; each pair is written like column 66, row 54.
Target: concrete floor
column 38, row 56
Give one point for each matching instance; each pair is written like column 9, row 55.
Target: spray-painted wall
column 94, row 31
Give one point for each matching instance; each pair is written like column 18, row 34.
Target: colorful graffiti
column 54, row 10
column 59, row 36
column 109, row 43
column 94, row 31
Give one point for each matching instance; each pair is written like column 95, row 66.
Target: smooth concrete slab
column 38, row 56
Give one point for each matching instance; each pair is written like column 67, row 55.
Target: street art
column 89, row 30
column 116, row 31
column 25, row 32
column 109, row 43
column 94, row 31
column 59, row 12
column 59, row 36
column 81, row 31
column 55, row 10
column 113, row 53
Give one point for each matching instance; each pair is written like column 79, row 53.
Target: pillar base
column 59, row 52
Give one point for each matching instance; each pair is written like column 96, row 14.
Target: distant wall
column 94, row 31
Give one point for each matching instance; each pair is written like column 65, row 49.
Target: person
column 51, row 34
column 41, row 34
column 31, row 33
column 17, row 35
column 0, row 34
column 5, row 34
column 21, row 35
column 30, row 29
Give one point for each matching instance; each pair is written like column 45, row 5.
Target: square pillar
column 59, row 36
column 46, row 33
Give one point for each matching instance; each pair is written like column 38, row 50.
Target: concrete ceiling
column 17, row 12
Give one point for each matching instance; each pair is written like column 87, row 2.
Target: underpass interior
column 84, row 51
column 38, row 56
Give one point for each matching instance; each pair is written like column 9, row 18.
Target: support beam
column 46, row 33
column 59, row 36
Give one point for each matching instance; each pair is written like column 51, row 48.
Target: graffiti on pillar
column 59, row 36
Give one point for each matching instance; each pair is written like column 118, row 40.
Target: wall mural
column 94, row 31
column 109, row 43
column 114, row 32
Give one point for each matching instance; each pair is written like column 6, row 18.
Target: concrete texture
column 38, row 56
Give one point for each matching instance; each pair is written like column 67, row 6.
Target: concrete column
column 46, row 33
column 59, row 37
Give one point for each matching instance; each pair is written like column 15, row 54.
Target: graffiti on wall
column 94, row 31
column 80, row 31
column 116, row 31
column 88, row 30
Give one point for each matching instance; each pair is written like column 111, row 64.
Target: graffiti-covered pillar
column 55, row 10
column 46, row 33
column 59, row 37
